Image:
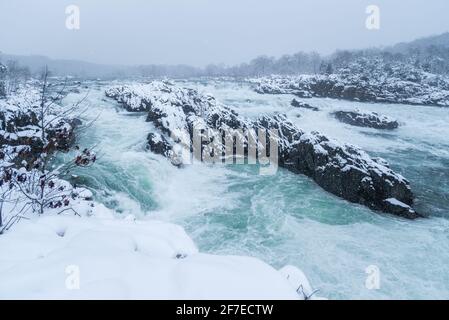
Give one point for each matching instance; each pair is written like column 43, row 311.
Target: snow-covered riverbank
column 104, row 257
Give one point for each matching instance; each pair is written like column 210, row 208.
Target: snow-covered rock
column 396, row 206
column 20, row 125
column 341, row 169
column 369, row 80
column 301, row 104
column 30, row 133
column 364, row 119
column 103, row 257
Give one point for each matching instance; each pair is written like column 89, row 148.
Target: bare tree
column 3, row 71
column 51, row 116
column 39, row 187
column 36, row 190
column 14, row 76
column 3, row 198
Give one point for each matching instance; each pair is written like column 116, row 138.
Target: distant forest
column 429, row 54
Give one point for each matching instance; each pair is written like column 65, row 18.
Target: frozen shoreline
column 103, row 257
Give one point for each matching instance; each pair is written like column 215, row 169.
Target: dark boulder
column 367, row 120
column 299, row 104
column 158, row 144
column 399, row 208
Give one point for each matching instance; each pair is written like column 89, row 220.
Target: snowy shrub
column 33, row 126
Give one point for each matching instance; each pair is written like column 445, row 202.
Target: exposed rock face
column 158, row 144
column 368, row 120
column 350, row 173
column 300, row 104
column 131, row 101
column 341, row 169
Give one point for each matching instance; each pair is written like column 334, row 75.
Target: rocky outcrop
column 367, row 120
column 350, row 173
column 20, row 129
column 300, row 104
column 428, row 90
column 158, row 144
column 341, row 169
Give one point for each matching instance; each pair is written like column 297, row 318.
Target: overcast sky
column 199, row 32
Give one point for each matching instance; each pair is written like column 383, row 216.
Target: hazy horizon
column 201, row 32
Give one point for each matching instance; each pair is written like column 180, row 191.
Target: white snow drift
column 104, row 257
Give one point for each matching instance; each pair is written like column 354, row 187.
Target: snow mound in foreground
column 108, row 258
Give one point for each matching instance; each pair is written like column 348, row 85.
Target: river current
column 286, row 218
